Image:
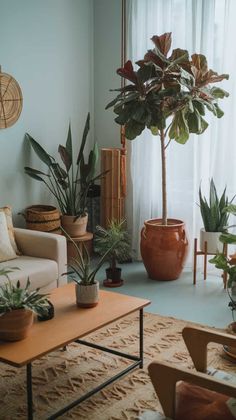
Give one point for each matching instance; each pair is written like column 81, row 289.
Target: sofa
column 43, row 260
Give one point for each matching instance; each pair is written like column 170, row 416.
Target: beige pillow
column 6, row 250
column 8, row 213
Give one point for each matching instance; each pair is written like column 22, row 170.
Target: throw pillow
column 6, row 250
column 8, row 213
column 196, row 403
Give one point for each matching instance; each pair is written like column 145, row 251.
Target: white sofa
column 43, row 260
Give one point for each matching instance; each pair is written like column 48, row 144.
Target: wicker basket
column 43, row 218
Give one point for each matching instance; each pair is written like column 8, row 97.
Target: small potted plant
column 84, row 275
column 104, row 239
column 68, row 184
column 215, row 219
column 17, row 306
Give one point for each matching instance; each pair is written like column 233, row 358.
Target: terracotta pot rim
column 91, row 284
column 157, row 223
column 70, row 215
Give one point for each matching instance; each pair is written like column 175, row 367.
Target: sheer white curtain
column 201, row 26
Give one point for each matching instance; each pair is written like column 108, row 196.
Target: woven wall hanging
column 11, row 100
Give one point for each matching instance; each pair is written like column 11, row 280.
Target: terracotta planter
column 74, row 228
column 87, row 296
column 15, row 325
column 214, row 246
column 164, row 248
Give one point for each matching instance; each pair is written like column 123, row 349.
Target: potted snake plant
column 167, row 94
column 215, row 217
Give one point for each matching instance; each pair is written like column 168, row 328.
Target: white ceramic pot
column 74, row 228
column 87, row 296
column 214, row 246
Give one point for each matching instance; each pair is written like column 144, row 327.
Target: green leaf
column 133, row 129
column 218, row 92
column 85, row 133
column 179, row 130
column 154, row 130
column 219, row 112
column 39, row 150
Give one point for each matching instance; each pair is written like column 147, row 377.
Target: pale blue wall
column 47, row 45
column 107, row 58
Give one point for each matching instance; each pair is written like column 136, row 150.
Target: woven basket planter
column 43, row 218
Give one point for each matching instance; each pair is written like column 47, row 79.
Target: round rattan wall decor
column 11, row 100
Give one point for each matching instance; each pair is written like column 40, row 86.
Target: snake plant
column 215, row 212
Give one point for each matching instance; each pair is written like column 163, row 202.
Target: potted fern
column 167, row 94
column 17, row 306
column 104, row 241
column 215, row 217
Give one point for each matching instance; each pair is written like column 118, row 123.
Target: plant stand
column 86, row 239
column 205, row 253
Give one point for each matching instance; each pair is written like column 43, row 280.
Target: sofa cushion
column 42, row 272
column 6, row 250
column 8, row 213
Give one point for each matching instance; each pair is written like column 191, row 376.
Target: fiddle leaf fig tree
column 169, row 95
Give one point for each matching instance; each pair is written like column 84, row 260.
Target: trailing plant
column 15, row 297
column 168, row 95
column 106, row 238
column 68, row 184
column 81, row 269
column 214, row 212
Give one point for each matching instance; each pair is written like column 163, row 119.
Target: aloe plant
column 68, row 184
column 169, row 96
column 14, row 297
column 215, row 212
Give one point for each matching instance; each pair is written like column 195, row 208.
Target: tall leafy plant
column 68, row 183
column 168, row 94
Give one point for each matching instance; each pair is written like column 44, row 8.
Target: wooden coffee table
column 69, row 325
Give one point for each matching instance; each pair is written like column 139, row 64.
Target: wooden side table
column 86, row 239
column 205, row 253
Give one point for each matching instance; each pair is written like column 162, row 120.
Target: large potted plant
column 115, row 233
column 68, row 184
column 169, row 96
column 83, row 272
column 215, row 219
column 17, row 306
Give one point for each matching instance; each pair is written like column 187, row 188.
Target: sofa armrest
column 44, row 245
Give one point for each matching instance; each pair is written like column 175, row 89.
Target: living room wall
column 46, row 46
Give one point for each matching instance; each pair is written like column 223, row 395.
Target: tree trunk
column 163, row 172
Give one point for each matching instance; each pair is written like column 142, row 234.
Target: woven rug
column 65, row 375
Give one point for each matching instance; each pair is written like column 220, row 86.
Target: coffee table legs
column 137, row 362
column 29, row 391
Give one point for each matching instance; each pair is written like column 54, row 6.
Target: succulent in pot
column 215, row 219
column 69, row 184
column 83, row 272
column 168, row 94
column 104, row 240
column 17, row 306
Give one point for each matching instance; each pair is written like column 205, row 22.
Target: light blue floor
column 205, row 303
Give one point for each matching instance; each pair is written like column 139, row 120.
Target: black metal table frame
column 138, row 361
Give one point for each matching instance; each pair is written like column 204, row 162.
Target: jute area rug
column 64, row 375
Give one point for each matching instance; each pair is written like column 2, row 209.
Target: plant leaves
column 162, row 42
column 85, row 133
column 65, row 157
column 39, row 150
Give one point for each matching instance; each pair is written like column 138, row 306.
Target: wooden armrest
column 197, row 339
column 164, row 377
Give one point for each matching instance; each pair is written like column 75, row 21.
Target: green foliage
column 114, row 234
column 14, row 297
column 175, row 86
column 69, row 186
column 215, row 212
column 81, row 268
column 223, row 263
